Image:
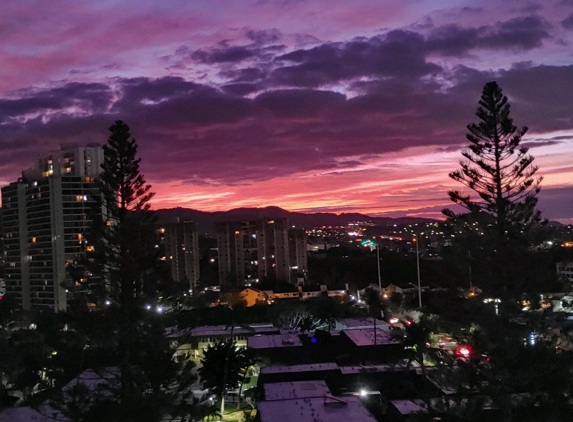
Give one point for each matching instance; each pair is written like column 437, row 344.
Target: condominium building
column 237, row 247
column 252, row 250
column 565, row 271
column 46, row 214
column 182, row 251
column 298, row 254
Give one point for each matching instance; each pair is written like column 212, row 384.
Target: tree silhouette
column 121, row 251
column 223, row 368
column 500, row 171
column 125, row 196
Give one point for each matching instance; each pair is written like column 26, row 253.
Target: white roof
column 370, row 337
column 273, row 341
column 224, row 330
column 357, row 369
column 295, row 390
column 406, row 407
column 359, row 323
column 27, row 414
column 96, row 379
column 329, row 366
column 324, row 409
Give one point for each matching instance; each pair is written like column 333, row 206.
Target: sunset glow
column 312, row 106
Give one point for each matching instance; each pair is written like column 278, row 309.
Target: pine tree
column 497, row 168
column 501, row 172
column 127, row 219
column 222, row 368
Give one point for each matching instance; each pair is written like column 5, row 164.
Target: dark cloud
column 283, row 114
column 250, row 74
column 85, row 98
column 537, row 144
column 263, row 37
column 541, row 95
column 138, row 90
column 524, row 33
column 298, row 103
column 240, row 88
column 568, row 22
column 556, row 203
column 222, row 55
column 399, row 53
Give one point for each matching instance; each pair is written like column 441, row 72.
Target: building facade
column 252, row 250
column 182, row 250
column 298, row 253
column 46, row 214
column 565, row 271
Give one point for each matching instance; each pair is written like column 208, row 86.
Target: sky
column 310, row 105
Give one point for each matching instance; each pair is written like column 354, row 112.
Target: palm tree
column 223, row 366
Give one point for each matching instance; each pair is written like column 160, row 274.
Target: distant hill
column 206, row 220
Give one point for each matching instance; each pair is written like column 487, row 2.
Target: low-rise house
column 309, row 401
column 252, row 296
column 193, row 341
column 360, row 324
column 27, row 414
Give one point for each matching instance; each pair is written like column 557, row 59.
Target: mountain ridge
column 206, row 220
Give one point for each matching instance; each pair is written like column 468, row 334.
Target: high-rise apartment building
column 234, row 259
column 273, row 250
column 298, row 253
column 182, row 250
column 252, row 250
column 46, row 214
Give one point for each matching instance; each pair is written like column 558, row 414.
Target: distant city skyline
column 312, row 106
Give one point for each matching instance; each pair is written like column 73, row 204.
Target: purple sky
column 309, row 105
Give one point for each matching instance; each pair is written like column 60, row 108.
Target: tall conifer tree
column 126, row 197
column 499, row 170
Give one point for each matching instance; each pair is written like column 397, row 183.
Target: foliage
column 502, row 217
column 498, row 169
column 299, row 318
column 124, row 238
column 124, row 338
column 223, row 365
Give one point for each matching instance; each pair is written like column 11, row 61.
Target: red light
column 463, row 352
column 408, row 322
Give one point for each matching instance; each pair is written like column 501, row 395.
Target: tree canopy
column 497, row 168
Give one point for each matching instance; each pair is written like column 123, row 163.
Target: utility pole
column 417, row 240
column 470, row 270
column 378, row 260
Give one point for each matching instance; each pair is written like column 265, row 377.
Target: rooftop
column 27, row 414
column 323, row 409
column 370, row 337
column 360, row 323
column 407, row 407
column 357, row 369
column 300, row 368
column 222, row 330
column 296, row 390
column 273, row 341
column 96, row 379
